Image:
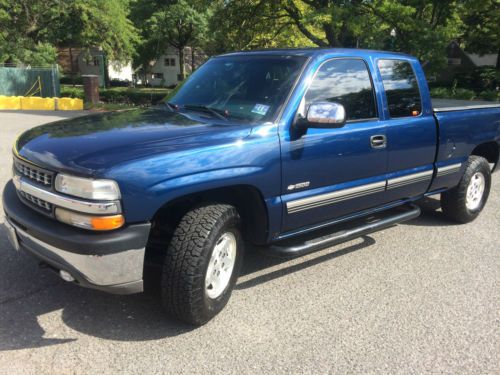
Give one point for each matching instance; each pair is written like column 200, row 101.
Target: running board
column 349, row 230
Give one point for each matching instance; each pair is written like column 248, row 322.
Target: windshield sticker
column 260, row 109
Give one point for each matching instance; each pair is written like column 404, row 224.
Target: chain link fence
column 29, row 81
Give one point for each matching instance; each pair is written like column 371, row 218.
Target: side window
column 401, row 88
column 345, row 81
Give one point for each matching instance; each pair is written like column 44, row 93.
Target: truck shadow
column 431, row 215
column 256, row 261
column 30, row 298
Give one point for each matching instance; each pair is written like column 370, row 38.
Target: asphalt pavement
column 420, row 297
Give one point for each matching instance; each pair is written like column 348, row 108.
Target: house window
column 454, row 61
column 169, row 61
column 157, row 75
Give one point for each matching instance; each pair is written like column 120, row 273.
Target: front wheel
column 464, row 202
column 202, row 263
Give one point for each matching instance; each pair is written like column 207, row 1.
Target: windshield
column 246, row 88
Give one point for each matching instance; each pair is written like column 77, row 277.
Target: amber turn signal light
column 89, row 222
column 107, row 222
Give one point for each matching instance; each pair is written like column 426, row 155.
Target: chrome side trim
column 465, row 107
column 397, row 182
column 449, row 169
column 89, row 207
column 334, row 197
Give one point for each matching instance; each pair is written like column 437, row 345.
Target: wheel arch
column 247, row 199
column 489, row 150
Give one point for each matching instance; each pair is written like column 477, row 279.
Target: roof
column 313, row 52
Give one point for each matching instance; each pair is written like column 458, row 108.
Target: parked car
column 261, row 148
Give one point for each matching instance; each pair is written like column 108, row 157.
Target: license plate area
column 12, row 235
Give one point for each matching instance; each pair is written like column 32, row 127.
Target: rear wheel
column 202, row 263
column 464, row 202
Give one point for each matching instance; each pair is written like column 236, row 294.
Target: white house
column 78, row 61
column 121, row 72
column 164, row 71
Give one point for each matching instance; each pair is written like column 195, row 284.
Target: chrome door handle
column 378, row 141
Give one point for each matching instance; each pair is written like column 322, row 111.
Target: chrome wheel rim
column 475, row 191
column 221, row 265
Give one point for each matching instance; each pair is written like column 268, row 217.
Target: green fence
column 15, row 81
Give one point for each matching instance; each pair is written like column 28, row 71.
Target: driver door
column 328, row 173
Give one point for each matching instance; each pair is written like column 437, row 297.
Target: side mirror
column 326, row 115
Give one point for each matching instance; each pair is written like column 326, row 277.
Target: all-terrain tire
column 184, row 292
column 454, row 202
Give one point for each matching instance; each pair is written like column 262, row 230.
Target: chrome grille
column 37, row 202
column 35, row 174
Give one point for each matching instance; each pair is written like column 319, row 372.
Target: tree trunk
column 192, row 60
column 498, row 59
column 71, row 66
column 181, row 64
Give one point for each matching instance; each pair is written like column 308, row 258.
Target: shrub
column 464, row 94
column 440, row 92
column 119, row 95
column 481, row 78
column 72, row 92
column 490, row 95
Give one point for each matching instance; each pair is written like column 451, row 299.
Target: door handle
column 378, row 141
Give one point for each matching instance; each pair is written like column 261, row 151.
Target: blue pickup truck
column 286, row 150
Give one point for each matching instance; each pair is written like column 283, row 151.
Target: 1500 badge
column 300, row 185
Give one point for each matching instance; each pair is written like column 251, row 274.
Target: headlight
column 87, row 188
column 89, row 222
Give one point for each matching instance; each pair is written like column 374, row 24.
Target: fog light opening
column 66, row 276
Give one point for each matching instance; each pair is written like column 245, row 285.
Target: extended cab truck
column 260, row 147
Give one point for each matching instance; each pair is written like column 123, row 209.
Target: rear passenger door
column 411, row 129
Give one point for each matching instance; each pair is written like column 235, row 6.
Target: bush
column 135, row 97
column 120, row 95
column 453, row 93
column 72, row 92
column 490, row 95
column 481, row 78
column 440, row 92
column 464, row 94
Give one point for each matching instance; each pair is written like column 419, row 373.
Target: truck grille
column 35, row 174
column 36, row 202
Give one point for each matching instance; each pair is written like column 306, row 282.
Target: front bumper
column 111, row 261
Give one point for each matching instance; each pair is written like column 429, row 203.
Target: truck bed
column 447, row 105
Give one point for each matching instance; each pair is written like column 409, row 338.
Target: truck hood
column 91, row 145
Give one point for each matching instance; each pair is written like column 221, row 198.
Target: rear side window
column 401, row 88
column 344, row 81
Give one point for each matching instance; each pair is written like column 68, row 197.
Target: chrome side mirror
column 326, row 115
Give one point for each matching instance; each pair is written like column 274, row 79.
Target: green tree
column 420, row 27
column 31, row 29
column 251, row 24
column 481, row 27
column 96, row 23
column 23, row 32
column 178, row 25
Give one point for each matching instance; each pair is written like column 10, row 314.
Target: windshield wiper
column 214, row 111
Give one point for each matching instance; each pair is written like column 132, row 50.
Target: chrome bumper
column 111, row 261
column 119, row 273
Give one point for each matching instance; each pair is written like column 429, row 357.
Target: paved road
column 419, row 297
